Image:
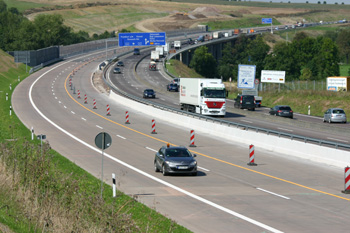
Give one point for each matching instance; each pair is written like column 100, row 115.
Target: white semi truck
column 177, row 44
column 203, row 96
column 160, row 49
column 154, row 55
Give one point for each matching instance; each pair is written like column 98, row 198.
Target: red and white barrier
column 70, row 82
column 94, row 104
column 192, row 139
column 251, row 156
column 108, row 110
column 347, row 180
column 79, row 94
column 85, row 99
column 127, row 118
column 153, row 127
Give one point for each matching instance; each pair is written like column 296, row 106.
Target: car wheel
column 329, row 121
column 155, row 167
column 163, row 171
column 324, row 120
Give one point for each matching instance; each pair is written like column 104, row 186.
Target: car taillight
column 254, row 101
column 241, row 99
column 290, row 111
column 279, row 111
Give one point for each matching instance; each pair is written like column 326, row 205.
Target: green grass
column 83, row 193
column 23, row 5
column 178, row 69
column 246, row 21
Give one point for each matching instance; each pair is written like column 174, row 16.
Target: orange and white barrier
column 85, row 99
column 108, row 110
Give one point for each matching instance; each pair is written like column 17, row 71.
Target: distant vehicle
column 282, row 110
column 149, row 93
column 160, row 50
column 334, row 115
column 117, row 70
column 177, row 44
column 154, row 55
column 190, row 41
column 176, row 80
column 152, row 66
column 136, row 51
column 175, row 160
column 217, row 35
column 120, row 63
column 172, row 87
column 200, row 39
column 245, row 102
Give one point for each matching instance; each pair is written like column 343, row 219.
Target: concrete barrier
column 320, row 154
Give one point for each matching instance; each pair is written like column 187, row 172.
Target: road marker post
column 192, row 139
column 153, row 127
column 94, row 104
column 114, row 185
column 85, row 99
column 108, row 110
column 251, row 156
column 127, row 118
column 347, row 180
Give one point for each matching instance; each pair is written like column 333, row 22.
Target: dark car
column 149, row 93
column 117, row 70
column 136, row 51
column 245, row 102
column 282, row 110
column 120, row 63
column 190, row 41
column 172, row 87
column 172, row 160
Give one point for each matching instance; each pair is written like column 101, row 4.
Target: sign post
column 103, row 141
column 267, row 21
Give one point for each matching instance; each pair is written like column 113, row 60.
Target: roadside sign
column 266, row 20
column 103, row 140
column 273, row 76
column 142, row 39
column 246, row 76
column 256, row 81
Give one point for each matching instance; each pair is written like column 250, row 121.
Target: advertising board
column 338, row 83
column 273, row 76
column 246, row 76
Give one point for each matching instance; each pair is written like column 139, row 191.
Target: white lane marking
column 53, row 93
column 338, row 140
column 56, row 97
column 99, row 126
column 202, row 168
column 72, row 112
column 83, row 119
column 162, row 99
column 51, row 87
column 278, row 195
column 148, row 148
column 289, row 130
column 198, row 198
column 53, row 90
column 121, row 137
column 247, row 121
column 59, row 102
column 64, row 106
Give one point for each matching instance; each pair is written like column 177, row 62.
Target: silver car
column 334, row 115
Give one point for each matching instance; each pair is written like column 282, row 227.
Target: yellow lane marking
column 216, row 159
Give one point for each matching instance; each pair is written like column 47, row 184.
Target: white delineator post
column 32, row 133
column 114, row 186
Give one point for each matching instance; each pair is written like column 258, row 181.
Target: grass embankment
column 178, row 69
column 43, row 191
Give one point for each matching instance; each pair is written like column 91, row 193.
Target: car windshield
column 177, row 152
column 285, row 108
column 338, row 111
column 214, row 93
column 149, row 91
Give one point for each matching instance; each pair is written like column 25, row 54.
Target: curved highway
column 281, row 194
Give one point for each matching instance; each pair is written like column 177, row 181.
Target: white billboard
column 273, row 76
column 336, row 84
column 246, row 76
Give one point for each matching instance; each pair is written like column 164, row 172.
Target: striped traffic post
column 347, row 180
column 251, row 156
column 78, row 94
column 114, row 185
column 127, row 118
column 85, row 99
column 192, row 139
column 153, row 127
column 94, row 101
column 108, row 110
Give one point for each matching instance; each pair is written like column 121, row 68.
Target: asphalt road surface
column 280, row 194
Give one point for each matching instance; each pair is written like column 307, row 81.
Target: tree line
column 19, row 33
column 304, row 58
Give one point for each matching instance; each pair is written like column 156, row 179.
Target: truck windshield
column 213, row 93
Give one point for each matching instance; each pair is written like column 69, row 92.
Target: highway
column 281, row 194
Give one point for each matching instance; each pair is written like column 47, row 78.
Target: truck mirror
column 226, row 93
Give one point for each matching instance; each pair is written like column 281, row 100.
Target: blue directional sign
column 142, row 39
column 266, row 20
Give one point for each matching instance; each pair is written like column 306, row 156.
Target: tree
column 3, row 6
column 203, row 62
column 306, row 74
column 343, row 42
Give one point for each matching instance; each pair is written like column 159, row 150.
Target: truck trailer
column 203, row 96
column 154, row 55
